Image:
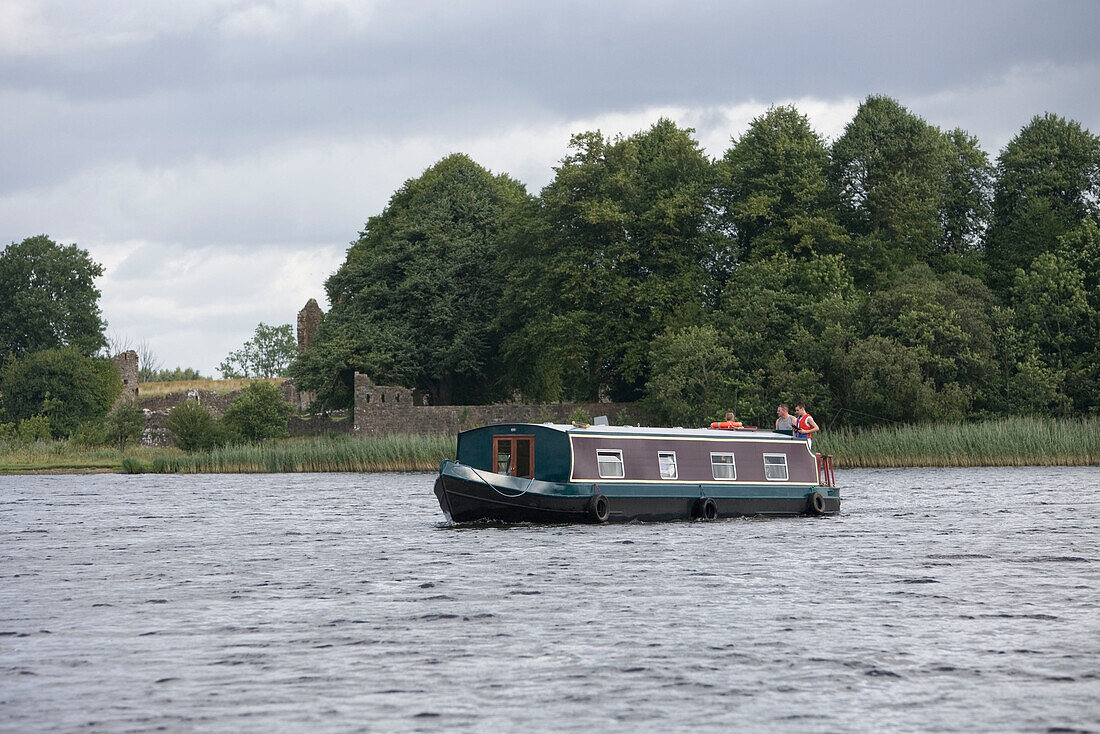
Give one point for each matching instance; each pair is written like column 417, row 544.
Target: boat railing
column 825, row 477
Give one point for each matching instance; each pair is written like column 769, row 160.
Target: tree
column 774, row 189
column 1048, row 180
column 267, row 354
column 62, row 384
column 258, row 413
column 621, row 246
column 693, row 376
column 964, row 213
column 416, row 301
column 48, row 298
column 888, row 171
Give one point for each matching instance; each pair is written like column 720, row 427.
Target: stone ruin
column 309, row 323
column 127, row 364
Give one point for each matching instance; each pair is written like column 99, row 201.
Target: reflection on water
column 939, row 600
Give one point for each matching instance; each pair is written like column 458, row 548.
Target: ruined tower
column 309, row 321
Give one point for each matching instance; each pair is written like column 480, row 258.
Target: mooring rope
column 502, row 494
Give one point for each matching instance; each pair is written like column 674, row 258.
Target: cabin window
column 514, row 455
column 666, row 460
column 775, row 467
column 610, row 463
column 722, row 466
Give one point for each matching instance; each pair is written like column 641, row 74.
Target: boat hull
column 467, row 495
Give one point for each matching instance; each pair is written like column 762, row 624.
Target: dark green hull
column 469, row 495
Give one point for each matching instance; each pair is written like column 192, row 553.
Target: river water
column 947, row 600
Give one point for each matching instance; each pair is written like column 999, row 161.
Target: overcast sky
column 218, row 156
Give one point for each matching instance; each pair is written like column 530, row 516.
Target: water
column 947, row 600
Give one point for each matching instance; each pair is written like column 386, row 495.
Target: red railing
column 825, row 476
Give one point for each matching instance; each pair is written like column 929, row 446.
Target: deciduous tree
column 48, row 298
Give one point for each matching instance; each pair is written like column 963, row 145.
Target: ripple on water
column 336, row 602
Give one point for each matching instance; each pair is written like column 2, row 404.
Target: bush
column 34, row 429
column 192, row 427
column 259, row 413
column 89, row 433
column 124, row 425
column 61, row 384
column 7, row 432
column 580, row 415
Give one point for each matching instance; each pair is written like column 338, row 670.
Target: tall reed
column 340, row 454
column 1009, row 442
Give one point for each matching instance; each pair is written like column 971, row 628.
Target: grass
column 61, row 457
column 1009, row 442
column 149, row 389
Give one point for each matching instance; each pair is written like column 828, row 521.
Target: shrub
column 7, row 432
column 192, row 427
column 259, row 413
column 34, row 429
column 580, row 415
column 124, row 425
column 89, row 433
column 130, row 465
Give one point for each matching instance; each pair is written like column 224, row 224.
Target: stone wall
column 383, row 410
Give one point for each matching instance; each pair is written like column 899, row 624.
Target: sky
column 219, row 156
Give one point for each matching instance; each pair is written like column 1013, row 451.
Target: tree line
column 896, row 274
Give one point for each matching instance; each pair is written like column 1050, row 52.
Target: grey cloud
column 426, row 68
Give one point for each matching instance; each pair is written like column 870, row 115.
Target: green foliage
column 192, row 427
column 621, row 246
column 580, row 415
column 124, row 425
column 130, row 465
column 48, row 298
column 694, row 376
column 774, row 190
column 1048, row 181
column 7, row 432
column 267, row 354
column 179, row 374
column 89, row 434
column 258, row 413
column 35, row 428
column 61, row 384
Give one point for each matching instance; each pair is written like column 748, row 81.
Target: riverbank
column 1016, row 442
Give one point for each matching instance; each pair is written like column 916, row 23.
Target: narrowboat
column 522, row 472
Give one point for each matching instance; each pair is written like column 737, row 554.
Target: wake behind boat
column 522, row 472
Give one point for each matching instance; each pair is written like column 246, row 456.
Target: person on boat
column 785, row 422
column 804, row 424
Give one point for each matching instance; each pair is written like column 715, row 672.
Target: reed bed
column 397, row 453
column 1009, row 442
column 149, row 389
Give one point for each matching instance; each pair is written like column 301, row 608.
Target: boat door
column 514, row 455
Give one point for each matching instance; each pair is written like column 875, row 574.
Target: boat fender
column 705, row 508
column 599, row 508
column 817, row 504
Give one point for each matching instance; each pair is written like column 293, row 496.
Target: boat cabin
column 627, row 454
